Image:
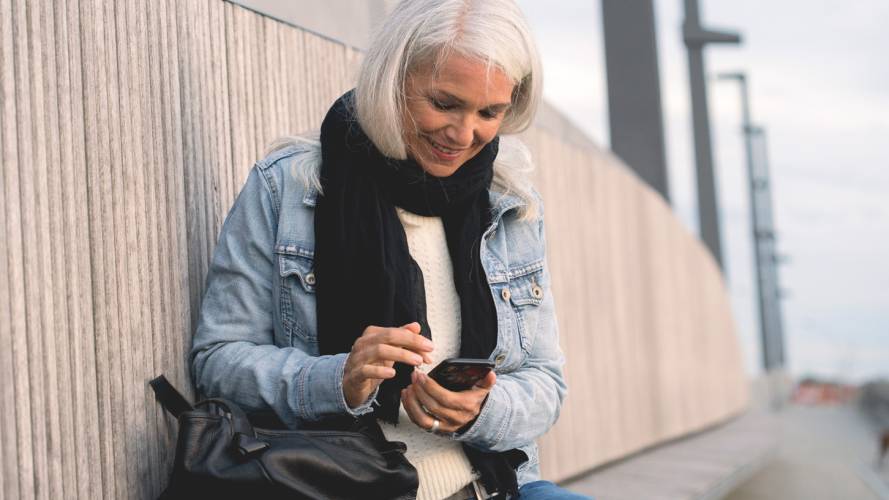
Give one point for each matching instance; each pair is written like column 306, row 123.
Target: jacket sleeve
column 525, row 403
column 233, row 352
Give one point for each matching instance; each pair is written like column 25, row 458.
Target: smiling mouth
column 444, row 151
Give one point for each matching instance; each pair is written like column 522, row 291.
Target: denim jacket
column 256, row 341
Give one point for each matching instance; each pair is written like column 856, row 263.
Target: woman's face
column 454, row 112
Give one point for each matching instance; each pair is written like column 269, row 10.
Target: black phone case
column 459, row 374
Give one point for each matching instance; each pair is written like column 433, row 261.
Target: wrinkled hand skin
column 374, row 355
column 425, row 400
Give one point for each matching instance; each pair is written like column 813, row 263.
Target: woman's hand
column 374, row 354
column 425, row 401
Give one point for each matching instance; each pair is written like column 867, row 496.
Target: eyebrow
column 493, row 107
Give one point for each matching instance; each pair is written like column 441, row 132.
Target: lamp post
column 696, row 37
column 765, row 256
column 634, row 90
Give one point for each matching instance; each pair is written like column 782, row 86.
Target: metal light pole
column 765, row 256
column 696, row 37
column 634, row 89
column 773, row 359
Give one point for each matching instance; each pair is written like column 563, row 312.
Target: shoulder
column 292, row 167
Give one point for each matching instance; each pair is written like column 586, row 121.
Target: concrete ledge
column 704, row 466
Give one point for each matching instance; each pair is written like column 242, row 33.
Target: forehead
column 468, row 78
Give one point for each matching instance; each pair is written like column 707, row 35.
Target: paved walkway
column 826, row 453
column 703, row 466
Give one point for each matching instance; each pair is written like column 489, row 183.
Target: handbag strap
column 240, row 423
column 172, row 400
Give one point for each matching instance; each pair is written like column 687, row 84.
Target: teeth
column 443, row 149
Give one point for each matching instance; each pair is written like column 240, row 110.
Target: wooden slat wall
column 126, row 130
column 645, row 319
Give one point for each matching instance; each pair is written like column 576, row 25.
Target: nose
column 461, row 133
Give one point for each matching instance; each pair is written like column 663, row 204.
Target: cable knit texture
column 441, row 464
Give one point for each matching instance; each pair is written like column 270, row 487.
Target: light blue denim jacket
column 256, row 342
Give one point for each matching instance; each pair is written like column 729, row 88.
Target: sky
column 819, row 84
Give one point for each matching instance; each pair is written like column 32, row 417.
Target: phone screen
column 460, row 374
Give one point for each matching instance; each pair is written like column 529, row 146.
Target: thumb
column 414, row 327
column 487, row 382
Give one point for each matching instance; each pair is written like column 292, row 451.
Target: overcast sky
column 820, row 85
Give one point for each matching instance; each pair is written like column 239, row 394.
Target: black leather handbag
column 220, row 454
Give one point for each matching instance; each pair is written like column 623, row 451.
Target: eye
column 441, row 105
column 489, row 114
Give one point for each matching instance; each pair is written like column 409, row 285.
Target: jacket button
column 537, row 292
column 310, row 279
column 506, row 294
column 499, row 359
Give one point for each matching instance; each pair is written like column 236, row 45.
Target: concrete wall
column 126, row 130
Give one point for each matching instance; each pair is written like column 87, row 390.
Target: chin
column 436, row 168
column 439, row 170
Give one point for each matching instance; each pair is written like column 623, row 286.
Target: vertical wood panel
column 160, row 240
column 9, row 230
column 127, row 129
column 76, row 236
column 98, row 156
column 224, row 186
column 55, row 330
column 124, row 193
column 32, row 452
column 115, row 191
column 237, row 85
column 176, row 201
column 190, row 81
column 69, row 315
column 150, row 338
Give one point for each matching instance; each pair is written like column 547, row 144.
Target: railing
column 126, row 130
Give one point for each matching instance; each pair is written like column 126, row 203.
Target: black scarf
column 364, row 271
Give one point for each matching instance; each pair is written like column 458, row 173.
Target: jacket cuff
column 492, row 422
column 364, row 407
column 322, row 389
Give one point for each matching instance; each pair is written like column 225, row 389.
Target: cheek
column 488, row 131
column 427, row 120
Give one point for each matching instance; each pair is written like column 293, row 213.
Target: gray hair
column 419, row 32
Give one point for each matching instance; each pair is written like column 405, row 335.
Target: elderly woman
column 406, row 235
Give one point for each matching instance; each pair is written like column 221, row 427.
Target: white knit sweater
column 441, row 463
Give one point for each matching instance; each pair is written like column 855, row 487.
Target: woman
column 350, row 266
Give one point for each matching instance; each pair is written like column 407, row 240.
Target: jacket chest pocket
column 297, row 295
column 526, row 292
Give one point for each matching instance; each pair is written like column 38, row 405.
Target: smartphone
column 459, row 374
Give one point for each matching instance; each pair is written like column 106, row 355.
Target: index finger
column 402, row 337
